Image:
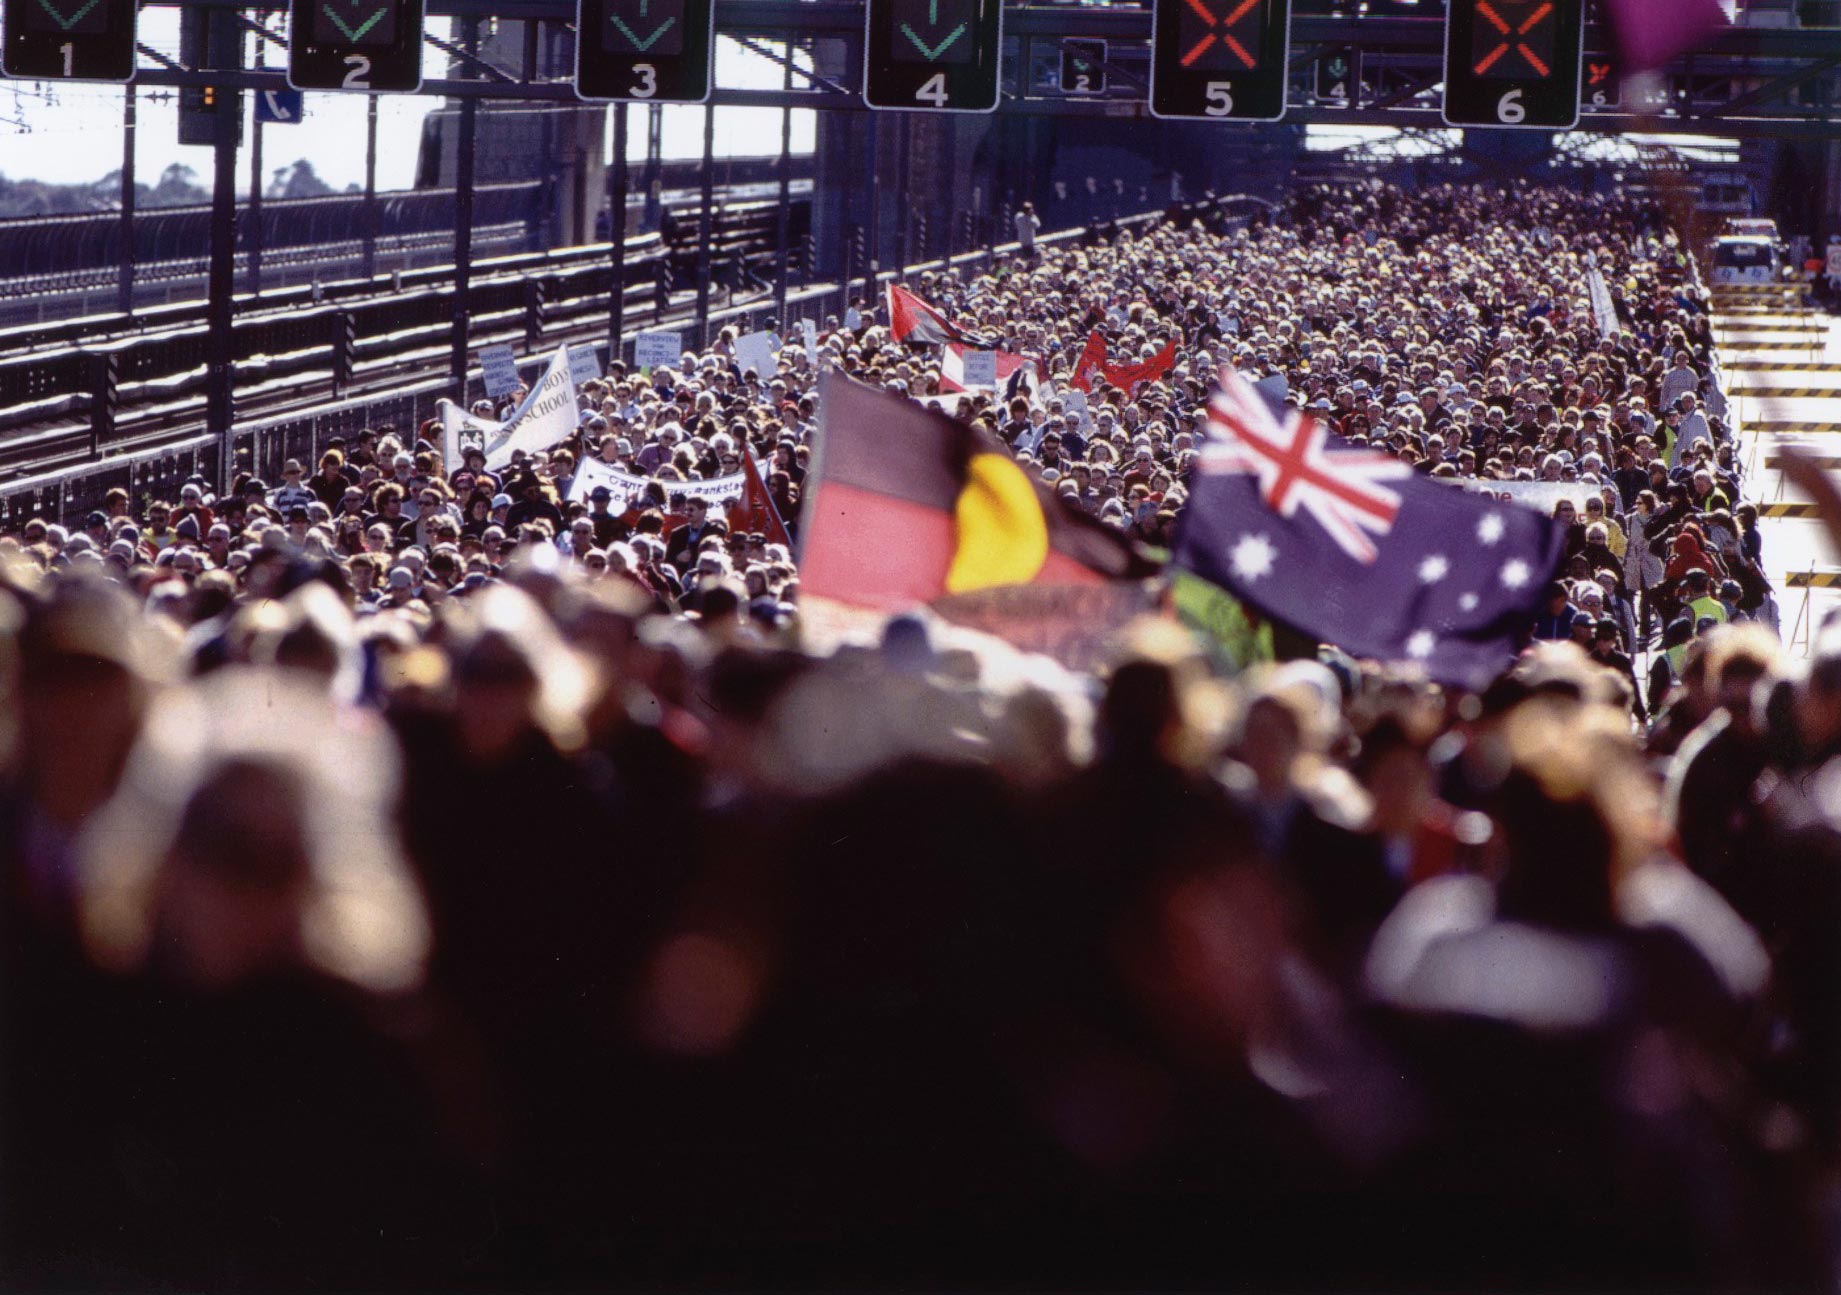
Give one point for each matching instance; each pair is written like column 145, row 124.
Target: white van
column 1746, row 258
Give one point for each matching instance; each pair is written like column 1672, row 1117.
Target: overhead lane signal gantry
column 1514, row 63
column 364, row 45
column 645, row 51
column 69, row 40
column 933, row 55
column 1222, row 60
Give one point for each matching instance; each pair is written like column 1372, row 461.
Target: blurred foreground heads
column 253, row 834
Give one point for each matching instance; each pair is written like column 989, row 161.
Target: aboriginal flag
column 904, row 505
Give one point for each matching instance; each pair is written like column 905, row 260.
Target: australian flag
column 1352, row 547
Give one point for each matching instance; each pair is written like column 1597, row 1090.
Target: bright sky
column 72, row 134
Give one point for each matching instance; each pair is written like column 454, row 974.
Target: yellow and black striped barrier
column 1826, row 462
column 1746, row 348
column 1788, row 510
column 1813, row 580
column 1758, row 290
column 1765, row 392
column 1781, row 366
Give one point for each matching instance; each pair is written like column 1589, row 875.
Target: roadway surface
column 1782, row 368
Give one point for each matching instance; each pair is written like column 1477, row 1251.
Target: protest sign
column 499, row 367
column 656, row 349
column 756, row 351
column 583, row 366
column 979, row 368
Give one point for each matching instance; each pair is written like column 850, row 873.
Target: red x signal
column 1220, row 29
column 1514, row 38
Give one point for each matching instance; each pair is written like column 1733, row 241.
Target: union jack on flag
column 1295, row 467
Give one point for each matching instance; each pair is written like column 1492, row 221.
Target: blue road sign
column 279, row 107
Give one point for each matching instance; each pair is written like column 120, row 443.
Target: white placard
column 980, row 369
column 756, row 351
column 583, row 366
column 810, row 331
column 1074, row 401
column 653, row 350
column 500, row 369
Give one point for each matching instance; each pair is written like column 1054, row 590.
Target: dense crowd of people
column 415, row 876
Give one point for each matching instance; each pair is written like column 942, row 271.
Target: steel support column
column 463, row 225
column 369, row 264
column 124, row 284
column 649, row 217
column 254, row 264
column 220, row 355
column 703, row 226
column 786, row 184
column 616, row 235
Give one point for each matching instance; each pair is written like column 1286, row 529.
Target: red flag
column 913, row 320
column 1128, row 376
column 755, row 511
column 1092, row 361
column 1650, row 33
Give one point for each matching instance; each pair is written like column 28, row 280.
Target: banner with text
column 628, row 486
column 546, row 416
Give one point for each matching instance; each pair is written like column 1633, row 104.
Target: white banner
column 1538, row 495
column 460, row 429
column 1604, row 310
column 628, row 486
column 810, row 331
column 546, row 416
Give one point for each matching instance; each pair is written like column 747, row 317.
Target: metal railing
column 263, row 445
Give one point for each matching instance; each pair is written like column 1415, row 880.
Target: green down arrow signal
column 61, row 20
column 353, row 34
column 933, row 17
column 1339, row 69
column 642, row 45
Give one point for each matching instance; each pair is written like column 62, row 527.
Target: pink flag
column 1652, row 32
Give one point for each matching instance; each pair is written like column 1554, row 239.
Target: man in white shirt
column 1693, row 430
